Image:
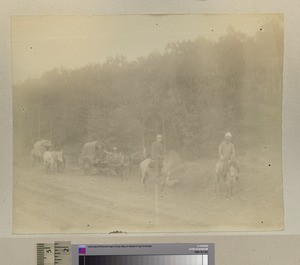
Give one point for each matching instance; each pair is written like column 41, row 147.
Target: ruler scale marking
column 45, row 253
column 62, row 253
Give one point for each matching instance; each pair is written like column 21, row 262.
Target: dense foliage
column 192, row 93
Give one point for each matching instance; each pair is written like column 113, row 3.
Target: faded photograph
column 147, row 123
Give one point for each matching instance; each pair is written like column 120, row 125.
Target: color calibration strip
column 144, row 260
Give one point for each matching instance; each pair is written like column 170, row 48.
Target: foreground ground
column 71, row 202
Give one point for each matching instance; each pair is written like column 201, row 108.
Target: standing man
column 226, row 148
column 157, row 151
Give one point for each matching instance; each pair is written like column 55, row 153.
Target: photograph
column 147, row 123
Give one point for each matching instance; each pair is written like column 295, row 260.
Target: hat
column 115, row 148
column 158, row 136
column 228, row 135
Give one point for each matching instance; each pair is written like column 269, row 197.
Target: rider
column 227, row 153
column 157, row 150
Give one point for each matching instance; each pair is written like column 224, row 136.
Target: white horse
column 48, row 161
column 147, row 168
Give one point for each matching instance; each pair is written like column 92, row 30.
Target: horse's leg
column 32, row 160
column 60, row 167
column 129, row 169
column 47, row 168
column 164, row 183
column 63, row 167
column 143, row 179
column 229, row 185
column 218, row 184
column 163, row 187
column 51, row 168
column 121, row 171
column 229, row 189
column 57, row 166
column 217, row 181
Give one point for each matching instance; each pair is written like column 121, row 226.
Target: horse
column 59, row 158
column 48, row 162
column 38, row 150
column 227, row 173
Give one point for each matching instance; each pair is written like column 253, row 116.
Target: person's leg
column 236, row 166
column 157, row 171
column 160, row 165
column 225, row 169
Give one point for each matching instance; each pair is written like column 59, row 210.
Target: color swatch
column 144, row 260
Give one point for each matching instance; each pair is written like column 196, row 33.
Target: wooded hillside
column 192, row 93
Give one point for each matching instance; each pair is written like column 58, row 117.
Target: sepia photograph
column 147, row 123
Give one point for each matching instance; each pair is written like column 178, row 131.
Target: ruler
column 58, row 253
column 45, row 253
column 62, row 255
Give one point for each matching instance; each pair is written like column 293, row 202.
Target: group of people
column 226, row 153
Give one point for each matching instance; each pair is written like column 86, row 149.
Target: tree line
column 192, row 93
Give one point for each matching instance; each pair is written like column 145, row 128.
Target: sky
column 41, row 43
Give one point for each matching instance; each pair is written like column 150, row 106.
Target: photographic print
column 147, row 123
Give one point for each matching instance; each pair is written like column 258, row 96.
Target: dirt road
column 74, row 203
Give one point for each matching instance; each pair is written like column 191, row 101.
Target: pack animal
column 48, row 162
column 38, row 150
column 59, row 159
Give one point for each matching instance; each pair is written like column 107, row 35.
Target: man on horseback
column 227, row 154
column 157, row 151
